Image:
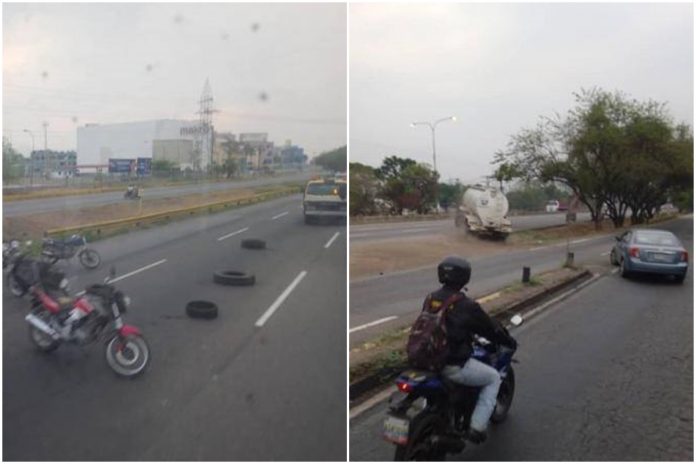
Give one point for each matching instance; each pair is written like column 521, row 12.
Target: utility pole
column 31, row 157
column 46, row 167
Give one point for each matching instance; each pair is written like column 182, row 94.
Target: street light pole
column 432, row 126
column 31, row 156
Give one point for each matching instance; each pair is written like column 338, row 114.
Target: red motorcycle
column 56, row 318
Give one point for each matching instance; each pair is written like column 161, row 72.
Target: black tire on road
column 89, row 258
column 504, row 399
column 202, row 309
column 253, row 244
column 233, row 278
column 42, row 341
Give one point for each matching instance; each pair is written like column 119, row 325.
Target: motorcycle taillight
column 404, row 387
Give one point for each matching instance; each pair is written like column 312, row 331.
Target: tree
column 163, row 167
column 614, row 153
column 450, row 194
column 363, row 187
column 392, row 167
column 334, row 160
column 12, row 161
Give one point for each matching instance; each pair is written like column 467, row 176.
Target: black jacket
column 465, row 319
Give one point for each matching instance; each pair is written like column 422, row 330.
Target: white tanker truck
column 483, row 211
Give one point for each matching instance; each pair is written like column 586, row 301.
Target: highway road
column 40, row 205
column 392, row 300
column 370, row 232
column 605, row 375
column 254, row 384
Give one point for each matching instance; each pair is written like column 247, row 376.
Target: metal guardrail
column 138, row 221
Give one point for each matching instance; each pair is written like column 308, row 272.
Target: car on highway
column 324, row 198
column 650, row 251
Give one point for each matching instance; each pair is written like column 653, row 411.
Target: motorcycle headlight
column 127, row 301
column 63, row 284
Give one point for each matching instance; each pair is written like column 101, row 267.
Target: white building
column 97, row 143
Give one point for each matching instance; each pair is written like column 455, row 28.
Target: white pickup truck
column 324, row 198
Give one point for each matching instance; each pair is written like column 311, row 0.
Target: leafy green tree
column 614, row 153
column 392, row 167
column 450, row 194
column 334, row 160
column 12, row 161
column 363, row 187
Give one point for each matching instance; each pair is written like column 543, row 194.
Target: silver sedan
column 650, row 251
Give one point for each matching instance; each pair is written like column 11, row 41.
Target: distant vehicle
column 132, row 192
column 552, row 206
column 53, row 250
column 483, row 211
column 324, row 198
column 562, row 206
column 650, row 251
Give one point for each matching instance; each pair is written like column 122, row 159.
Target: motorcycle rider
column 464, row 319
column 132, row 191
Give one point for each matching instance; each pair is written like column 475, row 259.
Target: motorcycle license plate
column 395, row 430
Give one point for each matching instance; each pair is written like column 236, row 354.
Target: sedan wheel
column 622, row 269
column 612, row 258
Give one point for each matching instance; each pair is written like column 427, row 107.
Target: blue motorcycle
column 429, row 416
column 54, row 250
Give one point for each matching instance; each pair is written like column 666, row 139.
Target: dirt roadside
column 385, row 256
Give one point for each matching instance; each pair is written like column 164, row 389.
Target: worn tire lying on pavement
column 202, row 309
column 253, row 244
column 233, row 278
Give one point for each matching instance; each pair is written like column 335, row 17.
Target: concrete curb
column 382, row 376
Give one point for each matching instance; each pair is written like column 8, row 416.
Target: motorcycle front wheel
column 504, row 399
column 420, row 446
column 127, row 356
column 90, row 258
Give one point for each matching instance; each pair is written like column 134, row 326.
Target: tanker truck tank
column 483, row 211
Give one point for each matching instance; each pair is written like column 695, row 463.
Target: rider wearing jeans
column 463, row 320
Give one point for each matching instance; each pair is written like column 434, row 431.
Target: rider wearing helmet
column 462, row 321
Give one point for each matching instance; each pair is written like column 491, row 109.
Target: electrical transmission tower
column 203, row 143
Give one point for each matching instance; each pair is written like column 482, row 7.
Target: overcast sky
column 497, row 68
column 276, row 68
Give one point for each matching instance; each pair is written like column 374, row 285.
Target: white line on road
column 279, row 215
column 581, row 240
column 279, row 301
column 373, row 323
column 331, row 240
column 232, row 234
column 605, row 253
column 137, row 271
column 615, row 271
column 541, row 247
column 368, row 404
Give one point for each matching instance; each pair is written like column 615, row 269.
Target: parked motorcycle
column 56, row 319
column 53, row 250
column 13, row 258
column 429, row 416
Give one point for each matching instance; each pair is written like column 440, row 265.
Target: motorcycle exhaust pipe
column 42, row 326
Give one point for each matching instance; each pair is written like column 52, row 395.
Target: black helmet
column 454, row 271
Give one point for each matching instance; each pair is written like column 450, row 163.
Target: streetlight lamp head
column 413, row 124
column 454, row 118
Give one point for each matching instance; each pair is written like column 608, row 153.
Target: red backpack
column 427, row 344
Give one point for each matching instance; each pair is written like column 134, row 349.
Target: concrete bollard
column 525, row 274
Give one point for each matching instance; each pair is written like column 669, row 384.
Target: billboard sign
column 121, row 165
column 144, row 166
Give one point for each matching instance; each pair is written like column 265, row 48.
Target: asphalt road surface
column 606, row 374
column 386, row 301
column 215, row 390
column 369, row 232
column 40, row 205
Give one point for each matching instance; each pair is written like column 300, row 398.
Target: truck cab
column 324, row 198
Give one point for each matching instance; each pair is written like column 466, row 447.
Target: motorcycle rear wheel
column 418, row 449
column 42, row 341
column 15, row 288
column 128, row 356
column 90, row 258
